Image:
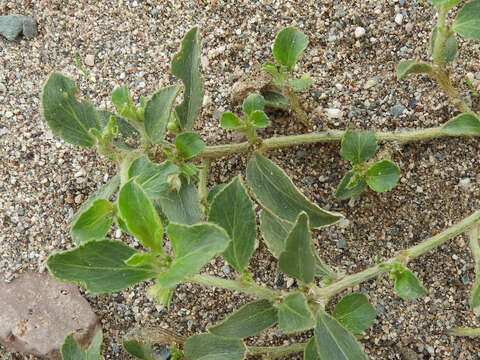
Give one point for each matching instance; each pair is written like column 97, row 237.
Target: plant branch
column 324, row 294
column 202, row 184
column 464, row 331
column 249, row 288
column 475, row 247
column 275, row 352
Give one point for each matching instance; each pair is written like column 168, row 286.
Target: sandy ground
column 43, row 180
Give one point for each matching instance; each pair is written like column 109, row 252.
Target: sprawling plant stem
column 475, row 247
column 202, row 184
column 464, row 331
column 297, row 108
column 324, row 294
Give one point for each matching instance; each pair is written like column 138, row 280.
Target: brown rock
column 37, row 312
column 256, row 81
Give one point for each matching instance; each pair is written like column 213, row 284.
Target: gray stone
column 29, row 27
column 397, row 110
column 11, row 26
column 38, row 312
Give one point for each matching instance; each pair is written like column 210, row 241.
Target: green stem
column 297, row 108
column 249, row 288
column 439, row 44
column 275, row 352
column 443, row 79
column 464, row 331
column 202, row 185
column 475, row 247
column 324, row 294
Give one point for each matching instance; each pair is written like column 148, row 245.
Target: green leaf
column 343, row 192
column 294, row 315
column 288, row 46
column 446, row 3
column 334, row 342
column 276, row 192
column 252, row 103
column 355, row 312
column 463, row 124
column 152, row 177
column 158, row 111
column 138, row 350
column 189, row 144
column 406, row 67
column 142, row 220
column 467, row 21
column 68, row 118
column 450, row 50
column 271, row 68
column 358, row 146
column 382, row 175
column 259, row 119
column 211, row 347
column 297, row 259
column 229, row 120
column 275, row 232
column 94, row 222
column 162, row 296
column 300, row 84
column 185, row 65
column 475, row 297
column 249, row 320
column 99, row 266
column 311, row 352
column 214, row 191
column 232, row 209
column 125, row 130
column 123, row 103
column 182, row 206
column 275, row 99
column 407, row 284
column 72, row 351
column 194, row 246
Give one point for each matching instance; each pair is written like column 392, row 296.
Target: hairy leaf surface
column 294, row 315
column 288, row 46
column 94, row 222
column 355, row 312
column 158, row 111
column 211, row 347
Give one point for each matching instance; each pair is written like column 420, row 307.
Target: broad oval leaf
column 358, row 146
column 152, row 177
column 382, row 175
column 343, row 192
column 72, row 351
column 276, row 192
column 125, row 129
column 294, row 315
column 249, row 320
column 232, row 209
column 288, row 46
column 68, row 118
column 407, row 285
column 252, row 102
column 406, row 67
column 450, row 50
column 185, row 65
column 139, row 350
column 194, row 246
column 140, row 216
column 99, row 266
column 467, row 21
column 311, row 352
column 211, row 347
column 463, row 124
column 229, row 120
column 355, row 312
column 214, row 191
column 189, row 144
column 94, row 222
column 259, row 119
column 158, row 111
column 297, row 260
column 334, row 342
column 275, row 99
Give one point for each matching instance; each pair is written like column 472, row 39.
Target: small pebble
column 334, row 113
column 370, row 83
column 399, row 19
column 359, row 32
column 397, row 110
column 90, row 60
column 464, row 184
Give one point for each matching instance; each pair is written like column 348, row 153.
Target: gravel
column 133, row 41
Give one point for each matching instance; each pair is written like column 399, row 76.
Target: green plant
column 161, row 189
column 358, row 147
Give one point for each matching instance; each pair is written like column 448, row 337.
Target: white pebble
column 464, row 184
column 409, row 27
column 8, row 114
column 339, row 86
column 370, row 83
column 334, row 113
column 399, row 19
column 118, row 233
column 90, row 60
column 359, row 32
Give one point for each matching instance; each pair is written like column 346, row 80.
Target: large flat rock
column 37, row 312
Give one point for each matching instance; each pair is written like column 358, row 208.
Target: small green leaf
column 406, row 67
column 211, row 347
column 232, row 209
column 259, row 119
column 334, row 342
column 142, row 220
column 72, row 351
column 189, row 144
column 463, row 124
column 182, row 206
column 311, row 352
column 450, row 50
column 99, row 266
column 294, row 315
column 229, row 120
column 214, row 191
column 446, row 3
column 152, row 177
column 358, row 146
column 343, row 192
column 68, row 118
column 185, row 65
column 271, row 68
column 158, row 111
column 275, row 99
column 355, row 312
column 139, row 350
column 249, row 320
column 162, row 296
column 300, row 84
column 407, row 284
column 123, row 103
column 125, row 129
column 94, row 222
column 252, row 103
column 194, row 246
column 467, row 21
column 288, row 46
column 382, row 175
column 276, row 192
